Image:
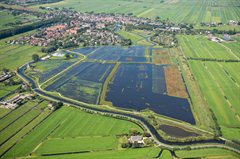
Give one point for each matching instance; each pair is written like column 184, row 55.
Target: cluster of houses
column 5, row 76
column 81, row 29
column 226, row 37
column 14, row 102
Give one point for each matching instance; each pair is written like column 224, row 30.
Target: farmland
column 218, row 81
column 218, row 89
column 200, row 47
column 88, row 77
column 17, row 123
column 8, row 20
column 69, row 125
column 177, row 11
column 17, row 53
column 213, row 152
column 129, row 79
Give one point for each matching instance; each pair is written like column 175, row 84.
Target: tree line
column 25, row 28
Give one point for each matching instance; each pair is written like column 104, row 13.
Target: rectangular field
column 142, row 86
column 219, row 84
column 69, row 123
column 114, row 53
column 83, row 82
column 174, row 81
column 77, row 144
column 160, row 56
column 200, row 47
column 13, row 56
column 17, row 123
column 195, row 11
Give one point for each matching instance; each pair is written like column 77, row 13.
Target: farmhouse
column 227, row 37
column 136, row 140
column 5, row 76
column 233, row 22
column 14, row 102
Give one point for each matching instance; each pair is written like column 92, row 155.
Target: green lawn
column 67, row 123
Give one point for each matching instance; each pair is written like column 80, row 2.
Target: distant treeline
column 209, row 59
column 25, row 28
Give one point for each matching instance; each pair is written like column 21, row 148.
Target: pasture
column 70, row 125
column 138, row 37
column 13, row 56
column 205, row 153
column 6, row 90
column 17, row 123
column 178, row 11
column 200, row 47
column 146, row 153
column 219, row 84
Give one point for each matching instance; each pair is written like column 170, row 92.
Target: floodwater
column 134, row 88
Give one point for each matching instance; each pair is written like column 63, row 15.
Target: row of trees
column 26, row 28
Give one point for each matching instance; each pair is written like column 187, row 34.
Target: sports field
column 194, row 11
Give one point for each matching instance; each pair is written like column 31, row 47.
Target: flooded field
column 138, row 87
column 176, row 131
column 114, row 53
column 136, row 84
column 83, row 82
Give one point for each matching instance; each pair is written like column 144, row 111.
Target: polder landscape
column 120, row 79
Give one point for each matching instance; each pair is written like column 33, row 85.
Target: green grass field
column 137, row 37
column 70, row 125
column 143, row 153
column 220, row 92
column 6, row 18
column 4, row 112
column 195, row 11
column 13, row 56
column 5, row 90
column 201, row 47
column 210, row 152
column 77, row 144
column 16, row 124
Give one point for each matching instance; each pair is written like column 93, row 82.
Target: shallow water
column 132, row 88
